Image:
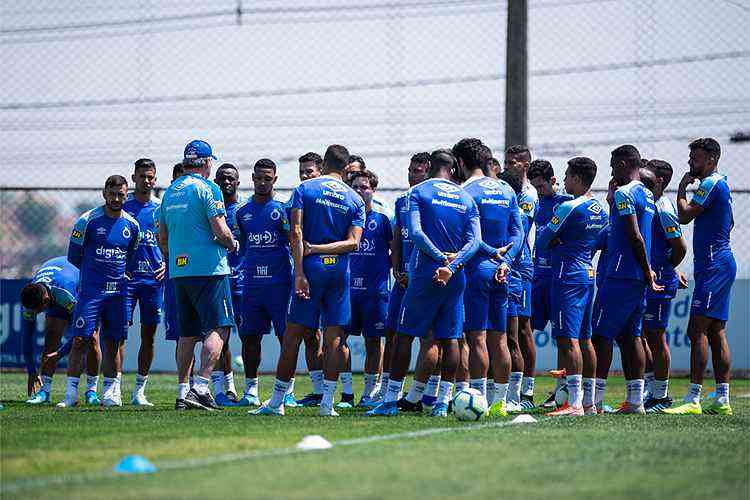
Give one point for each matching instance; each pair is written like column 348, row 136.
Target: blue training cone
column 135, row 464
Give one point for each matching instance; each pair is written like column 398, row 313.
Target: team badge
column 372, row 224
column 126, row 232
column 80, row 322
column 671, row 229
column 275, row 214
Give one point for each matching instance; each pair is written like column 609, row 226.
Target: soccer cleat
column 654, row 405
column 251, row 400
column 311, row 399
column 549, row 403
column 590, row 410
column 513, row 407
column 41, row 397
column 389, row 409
column 139, row 400
column 567, row 411
column 328, row 411
column 407, row 406
column 67, row 404
column 684, row 409
column 200, row 401
column 562, row 373
column 111, row 402
column 92, row 398
column 290, row 401
column 368, row 402
column 266, row 410
column 439, row 410
column 527, row 402
column 180, row 405
column 630, row 409
column 226, row 399
column 347, row 401
column 498, row 409
column 716, row 408
column 428, row 402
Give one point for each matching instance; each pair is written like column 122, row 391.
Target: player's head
column 470, row 156
column 579, row 175
column 115, row 192
column 663, row 172
column 144, row 176
column 356, row 164
column 177, row 171
column 228, row 178
column 647, row 178
column 517, row 159
column 495, row 167
column 625, row 162
column 443, row 164
column 198, row 158
column 419, row 165
column 704, row 157
column 513, row 179
column 335, row 160
column 35, row 297
column 542, row 177
column 365, row 183
column 264, row 176
column 309, row 166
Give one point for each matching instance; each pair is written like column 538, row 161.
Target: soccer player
column 309, row 166
column 444, row 228
column 194, row 236
column 522, row 346
column 146, row 286
column 370, row 266
column 103, row 246
column 327, row 218
column 171, row 326
column 572, row 235
column 486, row 298
column 54, row 291
column 266, row 270
column 715, row 271
column 629, row 275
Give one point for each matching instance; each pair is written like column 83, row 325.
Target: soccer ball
column 237, row 363
column 469, row 405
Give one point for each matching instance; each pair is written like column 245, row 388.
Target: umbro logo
column 447, row 188
column 489, row 184
column 101, row 230
column 595, row 208
column 247, row 216
column 335, row 186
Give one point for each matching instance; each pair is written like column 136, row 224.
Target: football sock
column 415, row 391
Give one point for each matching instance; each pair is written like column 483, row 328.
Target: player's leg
column 373, row 332
column 54, row 329
column 588, row 353
column 345, row 375
column 516, row 358
column 722, row 364
column 394, row 307
column 477, row 305
column 314, row 359
column 255, row 323
column 223, row 375
column 81, row 345
column 462, row 371
column 631, row 349
column 151, row 304
column 93, row 365
column 698, row 327
column 427, row 361
column 251, row 356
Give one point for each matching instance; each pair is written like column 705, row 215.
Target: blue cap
column 198, row 149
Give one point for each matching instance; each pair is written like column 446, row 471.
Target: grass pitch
column 70, row 453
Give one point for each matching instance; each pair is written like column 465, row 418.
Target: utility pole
column 516, row 75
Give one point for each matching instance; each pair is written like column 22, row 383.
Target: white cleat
column 328, row 411
column 513, row 407
column 140, row 400
column 110, row 402
column 65, row 403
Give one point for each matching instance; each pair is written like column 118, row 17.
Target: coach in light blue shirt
column 193, row 233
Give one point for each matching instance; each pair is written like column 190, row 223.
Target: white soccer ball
column 237, row 363
column 469, row 405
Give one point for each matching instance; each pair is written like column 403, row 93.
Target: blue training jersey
column 544, row 212
column 500, row 218
column 528, row 201
column 263, row 230
column 577, row 224
column 103, row 248
column 148, row 256
column 712, row 227
column 370, row 264
column 401, row 221
column 443, row 218
column 630, row 199
column 234, row 259
column 664, row 228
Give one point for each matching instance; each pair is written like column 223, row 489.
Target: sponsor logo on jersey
column 181, row 260
column 527, row 206
column 219, row 205
column 595, row 208
column 334, row 186
column 329, row 260
column 555, row 220
column 447, row 188
column 671, row 229
column 265, row 238
column 490, row 184
column 76, row 233
column 80, row 322
column 701, row 192
column 110, row 253
column 622, row 205
column 101, row 230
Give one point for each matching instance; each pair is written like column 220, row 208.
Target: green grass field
column 47, row 452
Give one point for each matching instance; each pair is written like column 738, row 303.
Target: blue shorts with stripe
column 394, row 306
column 427, row 306
column 485, row 300
column 621, row 308
column 657, row 313
column 264, row 306
column 713, row 289
column 571, row 306
column 204, row 303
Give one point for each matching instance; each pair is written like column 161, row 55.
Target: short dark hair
column 661, row 169
column 265, row 163
column 144, row 163
column 541, row 168
column 420, row 158
column 194, row 163
column 493, row 162
column 358, row 159
column 310, row 156
column 468, row 150
column 115, row 181
column 32, row 295
column 518, row 149
column 629, row 153
column 371, row 176
column 229, row 166
column 177, row 169
column 707, row 144
column 441, row 159
column 514, row 180
column 336, row 158
column 584, row 168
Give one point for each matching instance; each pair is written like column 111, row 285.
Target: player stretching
column 103, row 246
column 266, row 273
column 572, row 234
column 629, row 275
column 444, row 227
column 715, row 272
column 327, row 217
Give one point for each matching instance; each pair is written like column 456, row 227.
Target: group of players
column 458, row 247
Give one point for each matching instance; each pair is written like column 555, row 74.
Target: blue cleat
column 439, row 410
column 290, row 401
column 225, row 400
column 41, row 397
column 389, row 409
column 249, row 400
column 311, row 399
column 369, row 402
column 266, row 410
column 92, row 398
column 429, row 401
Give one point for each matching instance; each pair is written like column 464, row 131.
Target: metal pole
column 516, row 71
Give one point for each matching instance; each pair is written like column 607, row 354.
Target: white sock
column 108, row 387
column 479, row 384
column 649, row 382
column 229, row 382
column 527, row 387
column 371, row 382
column 601, row 388
column 393, row 390
column 71, row 391
column 514, row 387
column 415, row 391
column 91, row 382
column 660, row 388
column 490, row 393
column 460, row 386
column 279, row 391
column 433, row 384
column 722, row 393
column 118, row 384
column 575, row 395
column 316, row 377
column 201, row 384
column 635, row 391
column 182, row 390
column 346, row 382
column 501, row 392
column 384, row 379
column 290, row 389
column 47, row 383
column 589, row 386
column 251, row 387
column 140, row 383
column 694, row 393
column 217, row 377
column 445, row 392
column 329, row 389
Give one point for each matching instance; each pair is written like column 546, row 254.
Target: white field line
column 69, row 479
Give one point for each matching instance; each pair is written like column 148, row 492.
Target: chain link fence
column 91, row 86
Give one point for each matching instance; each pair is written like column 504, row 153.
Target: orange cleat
column 567, row 411
column 558, row 373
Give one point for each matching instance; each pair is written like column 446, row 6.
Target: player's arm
column 638, row 245
column 163, row 239
column 214, row 206
column 131, row 263
column 551, row 232
column 472, row 240
column 77, row 241
column 29, row 333
column 673, row 232
column 301, row 285
column 421, row 241
column 687, row 211
column 396, row 251
column 350, row 244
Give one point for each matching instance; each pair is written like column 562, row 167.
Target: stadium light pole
column 516, row 74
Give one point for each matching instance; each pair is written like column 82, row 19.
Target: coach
column 193, row 233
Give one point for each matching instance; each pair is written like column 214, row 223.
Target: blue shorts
column 485, row 300
column 571, row 307
column 713, row 289
column 263, row 306
column 59, row 312
column 150, row 298
column 329, row 302
column 204, row 303
column 622, row 305
column 171, row 327
column 394, row 307
column 657, row 314
column 519, row 298
column 111, row 311
column 369, row 314
column 428, row 307
column 237, row 288
column 541, row 297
